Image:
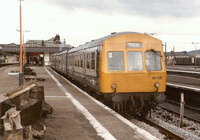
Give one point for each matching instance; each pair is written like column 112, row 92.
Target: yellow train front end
column 132, row 68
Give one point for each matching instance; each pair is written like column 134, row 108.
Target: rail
column 186, row 87
column 167, row 132
column 184, row 71
column 178, row 113
column 6, row 64
column 188, row 73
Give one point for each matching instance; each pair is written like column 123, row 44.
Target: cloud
column 164, row 8
column 153, row 8
column 102, row 6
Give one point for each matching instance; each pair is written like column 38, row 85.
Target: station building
column 38, row 52
column 171, row 56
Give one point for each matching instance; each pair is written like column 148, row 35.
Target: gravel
column 155, row 132
column 190, row 130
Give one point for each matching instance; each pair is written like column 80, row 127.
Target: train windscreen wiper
column 156, row 52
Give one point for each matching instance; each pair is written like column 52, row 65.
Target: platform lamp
column 195, row 59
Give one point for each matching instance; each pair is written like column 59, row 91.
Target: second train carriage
column 124, row 67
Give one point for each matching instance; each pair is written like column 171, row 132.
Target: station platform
column 76, row 115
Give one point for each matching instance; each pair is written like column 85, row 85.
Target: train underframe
column 135, row 103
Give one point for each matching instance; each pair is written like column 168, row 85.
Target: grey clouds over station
column 78, row 21
column 147, row 8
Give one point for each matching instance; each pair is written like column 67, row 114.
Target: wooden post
column 182, row 109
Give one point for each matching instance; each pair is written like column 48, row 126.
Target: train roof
column 60, row 53
column 98, row 42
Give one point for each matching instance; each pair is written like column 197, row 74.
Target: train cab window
column 93, row 61
column 153, row 61
column 135, row 61
column 115, row 61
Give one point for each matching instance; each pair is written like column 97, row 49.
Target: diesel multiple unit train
column 127, row 68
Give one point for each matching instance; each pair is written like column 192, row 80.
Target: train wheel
column 144, row 113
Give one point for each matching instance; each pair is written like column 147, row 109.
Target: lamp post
column 195, row 59
column 20, row 56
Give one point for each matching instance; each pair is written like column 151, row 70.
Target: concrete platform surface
column 76, row 116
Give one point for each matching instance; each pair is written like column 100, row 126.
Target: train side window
column 72, row 58
column 93, row 61
column 84, row 60
column 71, row 61
column 116, row 61
column 81, row 63
column 135, row 62
column 88, row 61
column 76, row 62
column 153, row 61
column 78, row 59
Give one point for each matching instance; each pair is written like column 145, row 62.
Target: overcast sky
column 78, row 21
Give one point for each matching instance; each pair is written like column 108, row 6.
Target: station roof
column 53, row 45
column 16, row 49
column 172, row 53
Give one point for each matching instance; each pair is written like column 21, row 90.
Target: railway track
column 167, row 131
column 187, row 73
column 7, row 64
column 169, row 134
column 192, row 113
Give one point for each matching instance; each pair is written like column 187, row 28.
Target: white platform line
column 55, row 96
column 142, row 132
column 99, row 128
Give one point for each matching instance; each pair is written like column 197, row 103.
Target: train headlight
column 157, row 85
column 114, row 86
